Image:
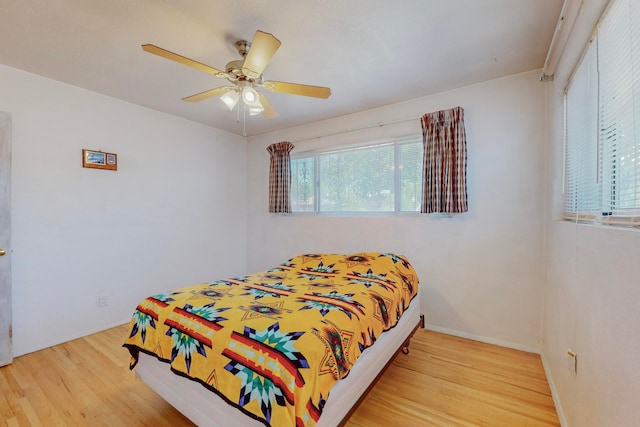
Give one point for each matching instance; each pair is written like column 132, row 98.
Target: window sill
column 629, row 222
column 369, row 214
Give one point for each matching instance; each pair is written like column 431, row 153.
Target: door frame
column 6, row 329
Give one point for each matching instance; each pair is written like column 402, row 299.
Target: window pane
column 410, row 176
column 302, row 184
column 357, row 180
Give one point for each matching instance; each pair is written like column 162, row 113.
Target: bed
column 277, row 347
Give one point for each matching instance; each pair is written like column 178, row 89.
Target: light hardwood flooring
column 444, row 381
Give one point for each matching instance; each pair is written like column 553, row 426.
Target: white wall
column 592, row 293
column 172, row 215
column 481, row 272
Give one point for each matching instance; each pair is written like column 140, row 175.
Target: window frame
column 316, row 154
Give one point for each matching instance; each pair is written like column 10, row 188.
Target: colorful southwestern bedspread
column 274, row 343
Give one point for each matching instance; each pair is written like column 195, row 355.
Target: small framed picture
column 99, row 160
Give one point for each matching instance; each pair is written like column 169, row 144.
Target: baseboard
column 554, row 393
column 482, row 339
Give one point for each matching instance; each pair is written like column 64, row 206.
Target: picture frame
column 99, row 160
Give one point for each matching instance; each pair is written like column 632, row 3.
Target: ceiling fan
column 246, row 75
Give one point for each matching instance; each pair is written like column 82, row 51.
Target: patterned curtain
column 280, row 177
column 444, row 170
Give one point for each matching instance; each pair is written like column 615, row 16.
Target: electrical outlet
column 572, row 362
column 102, row 301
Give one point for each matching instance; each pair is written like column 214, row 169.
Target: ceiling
column 370, row 53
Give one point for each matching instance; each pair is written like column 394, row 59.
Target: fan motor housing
column 234, row 68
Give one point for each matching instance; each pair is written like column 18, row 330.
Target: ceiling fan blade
column 208, row 94
column 269, row 112
column 298, row 89
column 183, row 60
column 263, row 47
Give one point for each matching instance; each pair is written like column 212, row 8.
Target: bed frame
column 205, row 408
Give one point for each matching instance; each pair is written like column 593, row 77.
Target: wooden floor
column 444, row 381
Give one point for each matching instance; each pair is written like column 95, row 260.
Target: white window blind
column 582, row 194
column 602, row 141
column 619, row 66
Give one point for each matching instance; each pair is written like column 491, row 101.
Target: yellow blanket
column 274, row 343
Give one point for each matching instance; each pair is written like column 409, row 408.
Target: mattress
column 206, row 409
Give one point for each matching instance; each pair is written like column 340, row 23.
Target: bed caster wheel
column 405, row 349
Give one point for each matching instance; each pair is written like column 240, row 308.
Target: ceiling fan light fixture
column 250, row 97
column 230, row 99
column 254, row 111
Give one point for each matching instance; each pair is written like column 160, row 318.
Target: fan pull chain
column 244, row 120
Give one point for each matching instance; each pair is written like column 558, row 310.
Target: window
column 377, row 178
column 602, row 151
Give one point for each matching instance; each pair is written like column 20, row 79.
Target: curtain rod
column 569, row 14
column 548, row 68
column 379, row 124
